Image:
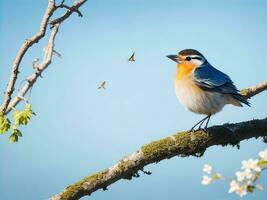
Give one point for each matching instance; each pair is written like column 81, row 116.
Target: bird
column 201, row 88
column 102, row 85
column 132, row 58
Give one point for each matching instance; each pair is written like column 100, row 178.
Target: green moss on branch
column 182, row 144
column 75, row 190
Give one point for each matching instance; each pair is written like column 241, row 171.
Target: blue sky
column 79, row 130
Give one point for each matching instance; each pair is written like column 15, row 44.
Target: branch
column 181, row 144
column 25, row 46
column 32, row 79
column 252, row 91
column 10, row 103
column 70, row 9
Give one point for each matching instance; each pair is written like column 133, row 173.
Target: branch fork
column 10, row 102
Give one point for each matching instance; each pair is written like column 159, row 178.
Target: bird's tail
column 241, row 99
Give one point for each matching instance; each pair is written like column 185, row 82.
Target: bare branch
column 57, row 54
column 25, row 46
column 10, row 103
column 181, row 144
column 70, row 9
column 31, row 79
column 254, row 90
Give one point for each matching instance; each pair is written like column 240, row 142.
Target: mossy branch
column 180, row 144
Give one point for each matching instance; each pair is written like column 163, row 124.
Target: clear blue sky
column 79, row 130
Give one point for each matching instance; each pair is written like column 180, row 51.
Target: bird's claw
column 192, row 130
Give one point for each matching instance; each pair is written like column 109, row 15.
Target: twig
column 70, row 9
column 31, row 79
column 251, row 91
column 57, row 54
column 25, row 46
column 8, row 102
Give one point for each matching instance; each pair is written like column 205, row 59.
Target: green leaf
column 250, row 188
column 13, row 138
column 4, row 124
column 15, row 134
column 23, row 117
column 28, row 108
column 262, row 163
column 216, row 176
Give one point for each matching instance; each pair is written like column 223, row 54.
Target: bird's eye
column 188, row 58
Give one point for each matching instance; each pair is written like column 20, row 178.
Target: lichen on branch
column 180, row 144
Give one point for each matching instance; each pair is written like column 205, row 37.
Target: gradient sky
column 79, row 130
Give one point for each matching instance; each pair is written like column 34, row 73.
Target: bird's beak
column 174, row 58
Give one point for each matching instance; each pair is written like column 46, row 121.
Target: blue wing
column 210, row 79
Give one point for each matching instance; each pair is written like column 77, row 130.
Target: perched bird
column 201, row 88
column 132, row 58
column 102, row 85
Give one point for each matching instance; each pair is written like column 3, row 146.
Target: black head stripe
column 188, row 52
column 197, row 58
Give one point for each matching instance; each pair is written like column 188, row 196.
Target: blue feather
column 210, row 79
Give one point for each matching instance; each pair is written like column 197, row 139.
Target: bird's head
column 188, row 57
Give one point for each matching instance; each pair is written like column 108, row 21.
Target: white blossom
column 206, row 180
column 248, row 174
column 234, row 186
column 207, row 168
column 242, row 191
column 246, row 179
column 251, row 164
column 263, row 155
column 240, row 175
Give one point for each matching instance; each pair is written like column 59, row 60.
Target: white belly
column 199, row 101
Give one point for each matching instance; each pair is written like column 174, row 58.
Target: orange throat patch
column 184, row 69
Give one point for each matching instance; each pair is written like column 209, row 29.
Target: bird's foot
column 192, row 130
column 204, row 130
